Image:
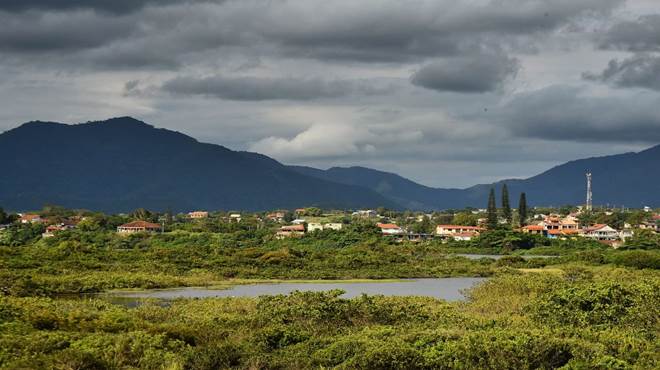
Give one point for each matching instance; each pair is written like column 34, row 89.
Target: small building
column 534, row 229
column 600, row 232
column 276, row 216
column 28, row 218
column 450, row 230
column 51, row 230
column 198, row 214
column 235, row 217
column 626, row 233
column 367, row 213
column 298, row 221
column 390, row 229
column 290, row 231
column 138, row 227
column 315, row 226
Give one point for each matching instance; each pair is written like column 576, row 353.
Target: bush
column 637, row 259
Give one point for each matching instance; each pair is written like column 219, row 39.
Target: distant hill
column 630, row 179
column 122, row 164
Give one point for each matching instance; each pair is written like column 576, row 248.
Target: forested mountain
column 121, row 164
column 630, row 179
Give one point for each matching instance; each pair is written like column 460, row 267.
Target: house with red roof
column 534, row 229
column 600, row 232
column 290, row 231
column 138, row 227
column 449, row 230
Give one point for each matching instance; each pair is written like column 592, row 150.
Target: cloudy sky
column 445, row 92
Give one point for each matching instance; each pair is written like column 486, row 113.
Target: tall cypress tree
column 492, row 210
column 522, row 209
column 506, row 208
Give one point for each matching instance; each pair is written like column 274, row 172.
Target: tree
column 506, row 208
column 464, row 218
column 492, row 210
column 522, row 209
column 3, row 216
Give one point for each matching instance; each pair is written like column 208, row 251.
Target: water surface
column 474, row 256
column 444, row 288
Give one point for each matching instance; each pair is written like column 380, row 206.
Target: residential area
column 607, row 226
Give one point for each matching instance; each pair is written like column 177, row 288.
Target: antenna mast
column 589, row 197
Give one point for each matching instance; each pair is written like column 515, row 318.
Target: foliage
column 513, row 321
column 522, row 209
column 506, row 207
column 492, row 220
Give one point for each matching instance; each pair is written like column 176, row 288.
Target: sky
column 449, row 93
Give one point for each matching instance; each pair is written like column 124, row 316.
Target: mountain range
column 122, row 163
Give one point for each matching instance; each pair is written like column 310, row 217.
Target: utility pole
column 589, row 195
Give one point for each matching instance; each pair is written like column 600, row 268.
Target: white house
column 601, row 232
column 313, row 226
column 450, row 230
column 390, row 229
column 365, row 213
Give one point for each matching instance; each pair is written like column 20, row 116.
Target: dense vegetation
column 580, row 318
column 588, row 307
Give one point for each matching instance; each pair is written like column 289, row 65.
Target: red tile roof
column 387, row 226
column 293, row 228
column 141, row 224
column 533, row 227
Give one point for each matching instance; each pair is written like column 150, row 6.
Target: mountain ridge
column 124, row 163
column 121, row 164
column 551, row 187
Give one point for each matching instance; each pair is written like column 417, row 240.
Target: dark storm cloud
column 112, row 6
column 640, row 35
column 475, row 74
column 638, row 71
column 383, row 31
column 47, row 32
column 256, row 89
column 565, row 114
column 400, row 31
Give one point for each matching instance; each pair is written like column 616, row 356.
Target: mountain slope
column 630, row 179
column 122, row 164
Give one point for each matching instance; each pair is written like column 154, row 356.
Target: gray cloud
column 474, row 74
column 263, row 88
column 641, row 70
column 367, row 31
column 568, row 114
column 640, row 35
column 112, row 6
column 47, row 32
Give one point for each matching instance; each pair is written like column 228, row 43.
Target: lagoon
column 450, row 289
